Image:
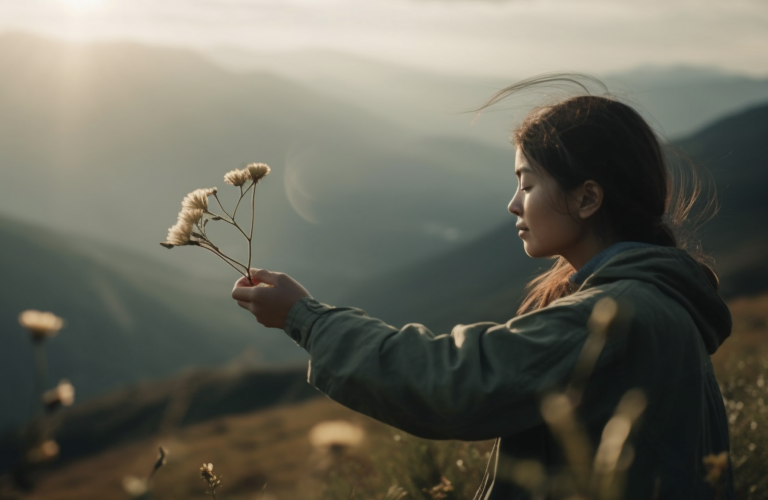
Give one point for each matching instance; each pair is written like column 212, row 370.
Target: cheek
column 551, row 231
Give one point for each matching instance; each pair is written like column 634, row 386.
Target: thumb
column 264, row 276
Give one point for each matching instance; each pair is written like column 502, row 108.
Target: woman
column 594, row 190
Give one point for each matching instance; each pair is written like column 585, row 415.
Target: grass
column 267, row 454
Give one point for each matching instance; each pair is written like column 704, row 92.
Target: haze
column 479, row 38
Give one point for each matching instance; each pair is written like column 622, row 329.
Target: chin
column 536, row 253
column 530, row 250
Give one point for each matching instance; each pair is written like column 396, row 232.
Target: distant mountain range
column 374, row 166
column 677, row 99
column 100, row 143
column 128, row 318
column 107, row 139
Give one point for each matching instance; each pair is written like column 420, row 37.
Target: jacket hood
column 676, row 274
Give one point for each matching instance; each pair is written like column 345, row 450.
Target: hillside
column 106, row 139
column 269, row 452
column 162, row 406
column 128, row 318
column 484, row 279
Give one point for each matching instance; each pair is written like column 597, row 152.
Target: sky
column 462, row 37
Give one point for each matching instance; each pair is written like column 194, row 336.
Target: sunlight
column 82, row 5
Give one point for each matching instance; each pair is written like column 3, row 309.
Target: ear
column 590, row 197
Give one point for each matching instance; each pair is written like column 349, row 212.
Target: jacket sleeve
column 479, row 382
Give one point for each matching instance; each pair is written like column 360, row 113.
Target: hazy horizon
column 481, row 39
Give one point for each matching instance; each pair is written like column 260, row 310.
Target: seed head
column 43, row 452
column 198, row 199
column 335, row 434
column 135, row 487
column 179, row 233
column 206, row 472
column 41, row 325
column 258, row 171
column 715, row 466
column 237, row 177
column 61, row 395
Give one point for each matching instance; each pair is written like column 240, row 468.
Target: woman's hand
column 270, row 298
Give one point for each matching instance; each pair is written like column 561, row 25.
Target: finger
column 242, row 282
column 264, row 276
column 244, row 293
column 243, row 304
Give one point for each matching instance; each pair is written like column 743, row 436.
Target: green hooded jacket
column 487, row 380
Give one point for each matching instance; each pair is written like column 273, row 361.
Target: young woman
column 594, row 190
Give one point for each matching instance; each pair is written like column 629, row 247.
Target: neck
column 583, row 252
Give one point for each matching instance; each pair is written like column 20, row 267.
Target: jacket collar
column 601, row 258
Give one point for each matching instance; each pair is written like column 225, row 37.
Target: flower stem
column 229, row 260
column 232, row 222
column 250, row 236
column 40, row 375
column 242, row 194
column 215, row 195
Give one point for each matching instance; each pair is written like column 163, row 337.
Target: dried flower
column 41, row 325
column 135, row 487
column 196, row 214
column 179, row 234
column 198, row 199
column 441, row 490
column 715, row 466
column 61, row 395
column 190, row 216
column 206, row 472
column 237, row 177
column 336, row 434
column 395, row 492
column 43, row 452
column 258, row 171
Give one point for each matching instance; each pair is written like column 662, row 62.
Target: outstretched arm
column 478, row 382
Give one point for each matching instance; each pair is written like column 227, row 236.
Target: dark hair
column 591, row 137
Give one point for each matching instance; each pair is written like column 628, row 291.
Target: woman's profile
column 594, row 190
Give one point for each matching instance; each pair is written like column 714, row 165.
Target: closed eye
column 525, row 189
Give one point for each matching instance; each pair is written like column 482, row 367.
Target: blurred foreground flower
column 395, row 492
column 43, row 452
column 716, row 465
column 439, row 491
column 191, row 222
column 136, row 487
column 206, row 472
column 41, row 325
column 61, row 395
column 335, row 435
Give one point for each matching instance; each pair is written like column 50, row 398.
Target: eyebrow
column 523, row 170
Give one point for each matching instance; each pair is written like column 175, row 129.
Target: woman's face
column 546, row 219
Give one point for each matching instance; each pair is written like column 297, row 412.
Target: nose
column 515, row 206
